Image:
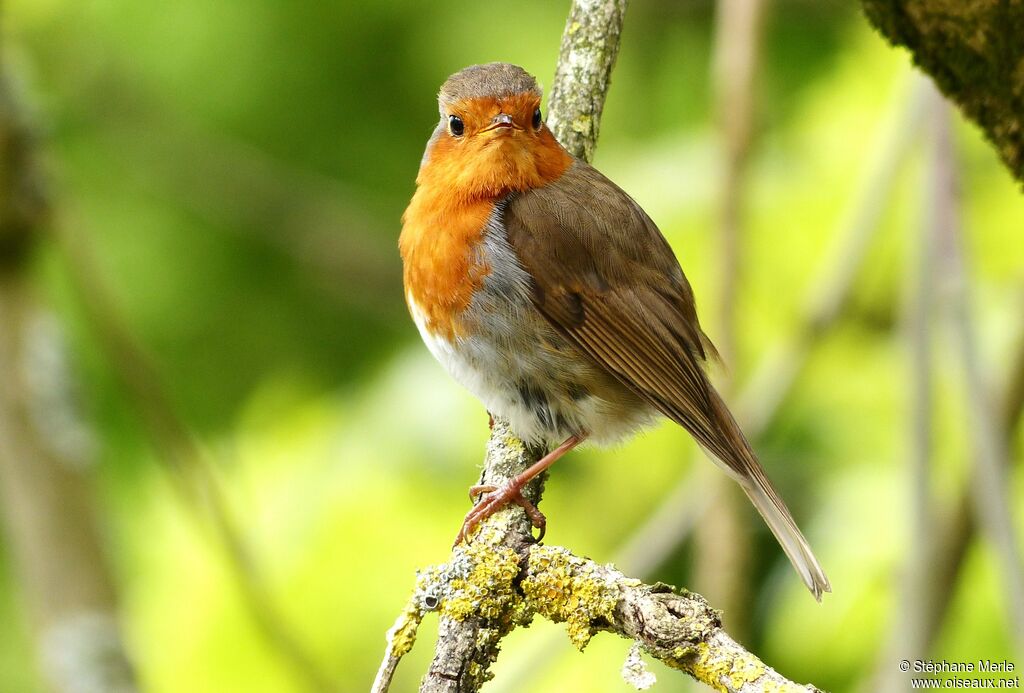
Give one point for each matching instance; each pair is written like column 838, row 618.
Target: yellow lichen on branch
column 566, row 589
column 478, row 581
column 490, row 589
column 733, row 673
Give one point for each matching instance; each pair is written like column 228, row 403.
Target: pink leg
column 511, row 492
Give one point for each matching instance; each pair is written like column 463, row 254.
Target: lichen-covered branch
column 497, row 583
column 590, row 45
column 974, row 52
column 469, row 632
column 680, row 629
column 477, row 608
column 501, row 580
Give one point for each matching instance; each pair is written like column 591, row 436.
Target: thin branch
column 737, row 49
column 590, row 44
column 958, row 528
column 468, row 636
column 400, row 639
column 1013, row 400
column 723, row 545
column 936, row 215
column 990, row 484
column 908, row 636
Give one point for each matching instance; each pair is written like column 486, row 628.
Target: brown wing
column 605, row 277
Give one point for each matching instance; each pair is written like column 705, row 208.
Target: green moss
column 566, row 589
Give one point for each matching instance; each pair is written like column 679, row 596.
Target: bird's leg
column 495, row 498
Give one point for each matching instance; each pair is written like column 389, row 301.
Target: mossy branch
column 974, row 52
column 590, row 44
column 501, row 580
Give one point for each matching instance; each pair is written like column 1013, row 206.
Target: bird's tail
column 739, row 461
column 764, row 497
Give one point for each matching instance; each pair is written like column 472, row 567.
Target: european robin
column 546, row 290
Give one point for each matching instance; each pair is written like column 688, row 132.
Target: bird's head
column 491, row 138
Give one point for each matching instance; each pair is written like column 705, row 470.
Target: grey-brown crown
column 490, row 79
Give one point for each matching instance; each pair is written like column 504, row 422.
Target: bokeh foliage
column 240, row 170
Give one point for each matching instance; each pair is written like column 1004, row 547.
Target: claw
column 479, row 490
column 537, row 518
column 495, row 498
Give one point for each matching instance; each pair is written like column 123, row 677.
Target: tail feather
column 761, row 493
column 733, row 453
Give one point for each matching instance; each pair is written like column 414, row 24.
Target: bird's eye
column 455, row 125
column 536, row 118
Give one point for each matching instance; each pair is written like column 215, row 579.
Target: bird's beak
column 502, row 121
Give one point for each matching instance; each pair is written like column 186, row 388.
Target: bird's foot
column 493, row 499
column 497, row 497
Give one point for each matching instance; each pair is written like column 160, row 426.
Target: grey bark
column 590, row 44
column 466, row 647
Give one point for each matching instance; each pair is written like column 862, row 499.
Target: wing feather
column 604, row 276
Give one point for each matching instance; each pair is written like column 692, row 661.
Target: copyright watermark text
column 946, row 674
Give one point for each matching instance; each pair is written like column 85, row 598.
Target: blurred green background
column 239, row 169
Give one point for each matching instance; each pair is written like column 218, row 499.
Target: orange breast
column 456, row 193
column 442, row 268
